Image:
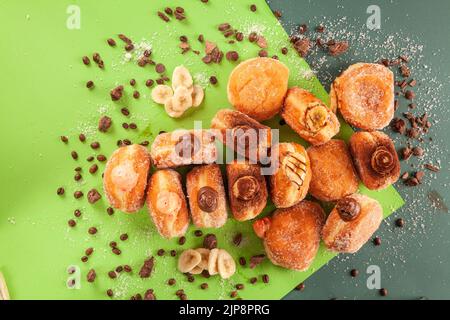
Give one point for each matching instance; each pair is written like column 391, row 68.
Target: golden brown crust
column 349, row 237
column 167, row 204
column 199, row 179
column 333, row 174
column 309, row 116
column 364, row 94
column 290, row 182
column 125, row 178
column 252, row 199
column 293, row 238
column 228, row 122
column 365, row 147
column 184, row 147
column 257, row 87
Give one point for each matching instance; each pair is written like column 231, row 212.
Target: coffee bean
column 149, row 82
column 111, row 42
column 399, row 222
column 90, row 159
column 101, row 158
column 104, row 124
column 72, row 223
column 116, row 251
column 113, row 244
column 190, row 278
column 64, row 139
column 77, row 213
column 320, row 29
column 125, row 112
column 77, row 194
column 112, row 275
column 205, row 274
column 300, row 287
column 183, row 297
column 163, row 16
column 253, row 37
column 160, row 68
column 182, row 240
column 303, row 28
column 84, row 259
column 136, row 94
column 265, row 278
column 224, row 26
column 93, row 169
column 354, row 273
column 74, row 155
column 110, row 211
column 263, row 53
column 93, row 196
column 133, row 126
column 95, row 145
column 92, row 230
column 86, row 60
column 124, row 237
column 410, row 95
column 77, row 177
column 90, row 84
column 127, row 268
column 284, row 50
column 89, row 251
column 213, row 80
column 125, row 125
column 60, row 191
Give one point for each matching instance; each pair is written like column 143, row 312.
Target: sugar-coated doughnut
column 257, row 87
column 125, row 178
column 206, row 194
column 333, row 174
column 292, row 235
column 309, row 116
column 242, row 134
column 351, row 223
column 289, row 184
column 364, row 94
column 184, row 147
column 375, row 159
column 167, row 204
column 246, row 189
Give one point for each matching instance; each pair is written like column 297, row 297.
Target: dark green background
column 415, row 260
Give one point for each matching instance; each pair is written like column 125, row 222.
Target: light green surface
column 44, row 96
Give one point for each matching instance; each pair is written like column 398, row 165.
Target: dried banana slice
column 188, row 260
column 225, row 264
column 162, row 93
column 182, row 99
column 205, row 258
column 4, row 293
column 316, row 118
column 197, row 95
column 168, row 107
column 212, row 262
column 294, row 164
column 196, row 270
column 181, row 77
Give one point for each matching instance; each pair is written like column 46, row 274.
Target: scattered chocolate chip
column 338, row 48
column 112, row 275
column 242, row 261
column 60, row 191
column 127, row 268
column 72, row 223
column 124, row 237
column 173, row 253
column 110, row 211
column 213, row 80
column 78, row 194
column 265, row 278
column 303, row 46
column 377, row 241
column 93, row 196
column 92, row 230
column 160, row 68
column 91, row 275
column 253, row 280
column 109, row 293
column 182, row 240
column 383, row 292
column 232, row 56
column 256, row 260
column 237, row 239
column 210, row 241
column 95, row 145
column 77, row 213
column 300, row 287
column 86, row 60
column 147, row 268
column 354, row 273
column 116, row 93
column 399, row 222
column 204, row 286
column 74, row 155
column 171, row 282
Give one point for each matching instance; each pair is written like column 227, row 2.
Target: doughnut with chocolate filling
column 247, row 190
column 333, row 174
column 351, row 223
column 167, row 204
column 242, row 134
column 125, row 178
column 364, row 94
column 309, row 116
column 257, row 87
column 289, row 184
column 375, row 159
column 184, row 147
column 206, row 195
column 292, row 235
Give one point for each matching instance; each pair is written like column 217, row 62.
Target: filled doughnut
column 309, row 116
column 364, row 94
column 167, row 204
column 289, row 184
column 246, row 189
column 242, row 134
column 292, row 235
column 257, row 87
column 125, row 178
column 184, row 147
column 206, row 195
column 375, row 159
column 352, row 223
column 333, row 174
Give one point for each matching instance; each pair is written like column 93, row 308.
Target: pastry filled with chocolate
column 167, row 204
column 242, row 134
column 206, row 194
column 292, row 235
column 289, row 184
column 184, row 147
column 352, row 223
column 375, row 159
column 333, row 174
column 125, row 178
column 309, row 116
column 247, row 190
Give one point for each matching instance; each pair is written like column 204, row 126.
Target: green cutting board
column 44, row 96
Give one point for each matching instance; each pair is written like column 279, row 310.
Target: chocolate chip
column 124, row 237
column 112, row 275
column 303, row 47
column 398, row 125
column 237, row 239
column 60, row 191
column 93, row 169
column 74, row 155
column 78, row 194
column 90, row 84
column 91, row 275
column 300, row 287
column 338, row 48
column 232, row 56
column 127, row 268
column 173, row 253
column 171, row 282
column 383, row 292
column 72, row 223
column 89, row 251
column 354, row 273
column 110, row 211
column 92, row 230
column 77, row 213
column 253, row 8
column 198, row 233
column 160, row 68
column 93, row 196
column 116, row 93
column 210, row 241
column 213, row 80
column 399, row 222
column 111, row 42
column 109, row 293
column 253, row 280
column 256, row 260
column 86, row 60
column 160, row 252
column 163, row 16
column 242, row 261
column 147, row 268
column 204, row 286
column 95, row 145
column 265, row 278
column 377, row 241
column 182, row 240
